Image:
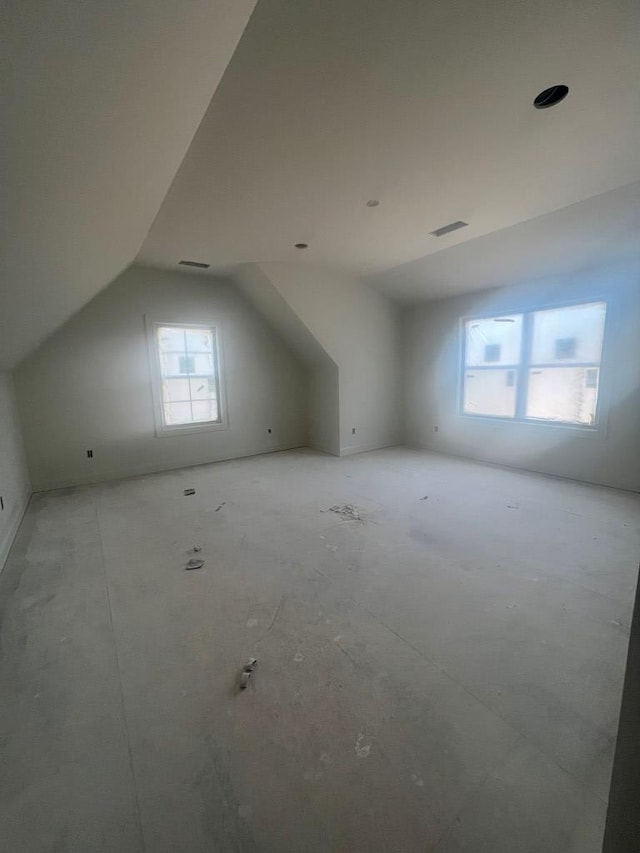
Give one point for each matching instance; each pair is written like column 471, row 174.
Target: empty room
column 320, row 426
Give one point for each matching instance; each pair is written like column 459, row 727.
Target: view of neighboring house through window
column 189, row 379
column 539, row 365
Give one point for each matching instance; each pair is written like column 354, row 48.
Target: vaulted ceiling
column 423, row 105
column 100, row 101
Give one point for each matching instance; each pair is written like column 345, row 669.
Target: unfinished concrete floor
column 444, row 676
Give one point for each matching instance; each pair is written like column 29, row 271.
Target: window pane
column 188, row 371
column 568, row 335
column 201, row 388
column 177, row 413
column 199, row 340
column 170, row 339
column 170, row 363
column 490, row 392
column 175, row 390
column 187, row 363
column 203, row 363
column 563, row 394
column 495, row 340
column 205, row 410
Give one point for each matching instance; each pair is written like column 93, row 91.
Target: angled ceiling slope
column 100, row 103
column 597, row 234
column 424, row 105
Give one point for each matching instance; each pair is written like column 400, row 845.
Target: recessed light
column 551, row 96
column 302, row 245
column 196, row 264
column 373, row 202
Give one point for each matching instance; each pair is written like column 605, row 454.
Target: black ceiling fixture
column 302, row 245
column 551, row 96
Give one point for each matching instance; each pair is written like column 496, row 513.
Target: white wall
column 432, row 376
column 88, row 386
column 15, row 487
column 323, row 408
column 359, row 328
column 323, row 405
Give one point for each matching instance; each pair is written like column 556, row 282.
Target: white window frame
column 598, row 428
column 161, row 429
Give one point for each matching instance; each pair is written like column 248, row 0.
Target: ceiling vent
column 447, row 229
column 196, row 264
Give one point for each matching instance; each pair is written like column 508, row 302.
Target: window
column 187, row 377
column 535, row 366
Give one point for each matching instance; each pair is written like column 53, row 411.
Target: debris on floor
column 194, row 564
column 362, row 749
column 217, row 509
column 189, row 492
column 246, row 673
column 347, row 511
column 196, row 549
column 513, row 506
column 425, row 498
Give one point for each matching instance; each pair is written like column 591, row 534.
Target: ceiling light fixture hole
column 302, row 245
column 551, row 96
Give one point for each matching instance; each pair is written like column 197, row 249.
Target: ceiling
column 100, row 101
column 601, row 232
column 116, row 148
column 425, row 106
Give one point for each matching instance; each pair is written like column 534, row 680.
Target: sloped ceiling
column 424, row 106
column 600, row 233
column 100, row 103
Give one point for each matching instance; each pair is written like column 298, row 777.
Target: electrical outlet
column 89, row 454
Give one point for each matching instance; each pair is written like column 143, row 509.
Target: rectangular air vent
column 447, row 229
column 195, row 264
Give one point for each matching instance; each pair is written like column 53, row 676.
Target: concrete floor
column 445, row 676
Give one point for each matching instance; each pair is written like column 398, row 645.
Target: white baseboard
column 145, row 470
column 350, row 449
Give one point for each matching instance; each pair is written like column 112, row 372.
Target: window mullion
column 522, row 387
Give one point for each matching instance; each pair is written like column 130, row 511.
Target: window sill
column 188, row 429
column 574, row 430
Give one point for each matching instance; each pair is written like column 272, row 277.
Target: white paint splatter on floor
column 362, row 749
